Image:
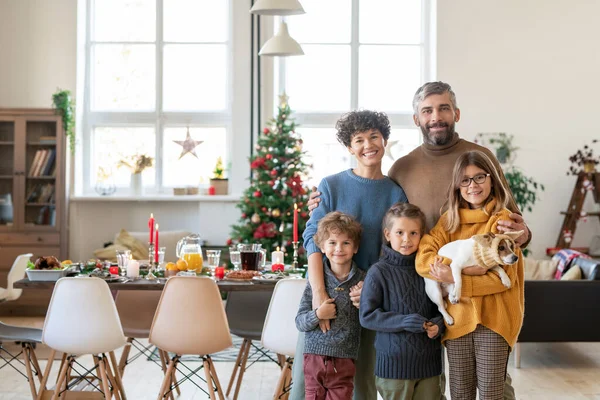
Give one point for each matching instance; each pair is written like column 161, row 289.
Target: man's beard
column 438, row 139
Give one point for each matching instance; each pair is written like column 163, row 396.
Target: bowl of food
column 46, row 269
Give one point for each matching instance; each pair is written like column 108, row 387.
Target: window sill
column 230, row 198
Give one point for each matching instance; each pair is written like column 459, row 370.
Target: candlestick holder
column 151, row 264
column 295, row 255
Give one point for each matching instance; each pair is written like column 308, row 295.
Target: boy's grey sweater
column 393, row 303
column 343, row 339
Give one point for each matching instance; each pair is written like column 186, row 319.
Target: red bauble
column 271, row 183
column 229, row 242
column 264, row 209
column 303, row 215
column 244, row 215
column 257, row 193
column 266, row 131
column 269, row 156
column 273, row 172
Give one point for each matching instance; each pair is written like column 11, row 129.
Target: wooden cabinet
column 33, row 200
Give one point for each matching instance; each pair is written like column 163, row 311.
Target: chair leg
column 46, row 374
column 124, row 356
column 165, row 357
column 285, row 382
column 281, row 360
column 518, row 355
column 115, row 367
column 27, row 360
column 239, row 368
column 104, row 377
column 166, row 383
column 35, row 363
column 209, row 384
column 61, row 378
column 215, row 377
column 111, row 378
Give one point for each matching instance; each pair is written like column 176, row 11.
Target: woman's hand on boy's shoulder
column 313, row 199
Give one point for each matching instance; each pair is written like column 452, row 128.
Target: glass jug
column 190, row 249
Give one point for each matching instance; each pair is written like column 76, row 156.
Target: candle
column 277, row 257
column 220, row 272
column 133, row 269
column 151, row 227
column 295, row 231
column 114, row 270
column 156, row 245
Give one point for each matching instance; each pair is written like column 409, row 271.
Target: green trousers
column 415, row 389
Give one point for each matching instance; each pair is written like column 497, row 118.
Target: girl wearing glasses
column 488, row 317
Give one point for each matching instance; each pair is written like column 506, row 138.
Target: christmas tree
column 277, row 184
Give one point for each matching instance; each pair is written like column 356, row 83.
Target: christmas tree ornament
column 276, row 161
column 266, row 131
column 283, row 100
column 269, row 156
column 264, row 209
column 273, row 172
column 188, row 145
column 276, row 213
column 271, row 183
column 257, row 193
column 270, row 149
column 255, row 218
column 284, row 192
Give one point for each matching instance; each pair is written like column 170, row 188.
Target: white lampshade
column 281, row 44
column 277, row 7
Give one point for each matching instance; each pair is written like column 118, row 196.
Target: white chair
column 279, row 332
column 17, row 271
column 190, row 319
column 82, row 319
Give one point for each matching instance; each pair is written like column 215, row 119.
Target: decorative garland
column 63, row 102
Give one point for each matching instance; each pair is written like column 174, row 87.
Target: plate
column 268, row 278
column 237, row 279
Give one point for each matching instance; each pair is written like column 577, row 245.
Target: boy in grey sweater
column 329, row 356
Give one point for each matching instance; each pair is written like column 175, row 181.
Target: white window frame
column 158, row 119
column 399, row 120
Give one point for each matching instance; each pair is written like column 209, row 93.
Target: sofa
column 558, row 310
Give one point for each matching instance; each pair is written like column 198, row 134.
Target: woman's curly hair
column 361, row 121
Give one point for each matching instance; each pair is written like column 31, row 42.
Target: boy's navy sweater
column 343, row 339
column 393, row 303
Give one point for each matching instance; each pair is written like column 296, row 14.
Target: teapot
column 190, row 249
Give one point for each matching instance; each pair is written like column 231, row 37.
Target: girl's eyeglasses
column 478, row 179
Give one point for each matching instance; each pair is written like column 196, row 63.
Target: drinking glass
column 161, row 258
column 123, row 257
column 250, row 256
column 234, row 257
column 212, row 259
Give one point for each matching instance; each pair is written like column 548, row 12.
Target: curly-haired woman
column 365, row 193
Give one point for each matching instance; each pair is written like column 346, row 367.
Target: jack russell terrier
column 488, row 250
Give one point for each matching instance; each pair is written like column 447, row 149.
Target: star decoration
column 189, row 145
column 283, row 99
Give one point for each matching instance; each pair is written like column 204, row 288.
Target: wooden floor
column 548, row 371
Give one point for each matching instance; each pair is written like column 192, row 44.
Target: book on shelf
column 47, row 139
column 47, row 167
column 35, row 161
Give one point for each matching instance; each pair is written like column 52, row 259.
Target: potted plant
column 136, row 163
column 502, row 144
column 218, row 181
column 583, row 160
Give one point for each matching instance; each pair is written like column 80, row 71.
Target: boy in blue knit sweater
column 394, row 304
column 329, row 357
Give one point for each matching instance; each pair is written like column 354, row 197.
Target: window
column 155, row 68
column 369, row 54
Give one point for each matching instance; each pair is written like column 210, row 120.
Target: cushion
column 123, row 241
column 573, row 274
column 539, row 269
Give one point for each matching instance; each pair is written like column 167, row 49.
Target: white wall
column 525, row 68
column 528, row 68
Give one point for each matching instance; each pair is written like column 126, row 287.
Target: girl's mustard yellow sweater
column 484, row 299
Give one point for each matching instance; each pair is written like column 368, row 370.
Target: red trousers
column 328, row 378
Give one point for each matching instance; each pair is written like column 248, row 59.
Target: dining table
column 157, row 284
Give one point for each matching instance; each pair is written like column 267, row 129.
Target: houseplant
column 584, row 160
column 63, row 102
column 136, row 163
column 218, row 181
column 501, row 143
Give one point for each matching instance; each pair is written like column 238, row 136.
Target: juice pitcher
column 190, row 249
